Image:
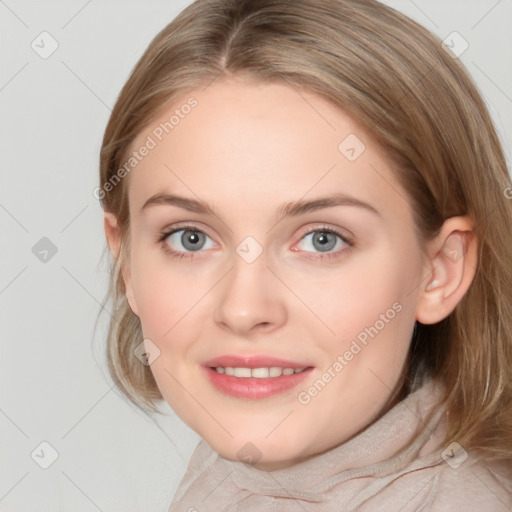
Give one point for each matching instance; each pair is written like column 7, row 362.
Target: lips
column 255, row 377
column 253, row 361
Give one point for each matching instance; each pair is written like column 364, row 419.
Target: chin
column 260, row 452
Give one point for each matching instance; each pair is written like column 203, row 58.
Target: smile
column 256, row 383
column 257, row 373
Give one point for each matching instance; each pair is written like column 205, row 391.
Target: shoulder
column 473, row 483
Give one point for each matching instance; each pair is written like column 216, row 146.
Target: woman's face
column 281, row 309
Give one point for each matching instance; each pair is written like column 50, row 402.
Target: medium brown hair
column 417, row 102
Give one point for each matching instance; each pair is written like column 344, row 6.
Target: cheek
column 359, row 292
column 170, row 297
column 369, row 309
column 161, row 295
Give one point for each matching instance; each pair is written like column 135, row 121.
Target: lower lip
column 253, row 388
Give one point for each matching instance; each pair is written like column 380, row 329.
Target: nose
column 250, row 299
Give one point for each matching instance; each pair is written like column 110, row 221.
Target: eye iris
column 326, row 240
column 192, row 240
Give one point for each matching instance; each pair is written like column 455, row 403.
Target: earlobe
column 114, row 243
column 452, row 263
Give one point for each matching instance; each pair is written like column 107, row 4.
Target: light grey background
column 54, row 383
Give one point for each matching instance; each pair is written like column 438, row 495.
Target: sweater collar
column 390, row 444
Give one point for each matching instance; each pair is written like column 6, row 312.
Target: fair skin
column 247, row 149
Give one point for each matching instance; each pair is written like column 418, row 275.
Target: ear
column 451, row 265
column 114, row 244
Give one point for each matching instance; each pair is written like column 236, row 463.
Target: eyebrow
column 290, row 209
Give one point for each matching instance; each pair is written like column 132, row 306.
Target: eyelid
column 343, row 233
column 173, row 228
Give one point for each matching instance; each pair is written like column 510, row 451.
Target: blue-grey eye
column 189, row 240
column 322, row 241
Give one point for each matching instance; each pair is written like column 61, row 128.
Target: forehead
column 238, row 142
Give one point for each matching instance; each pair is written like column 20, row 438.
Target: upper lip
column 253, row 361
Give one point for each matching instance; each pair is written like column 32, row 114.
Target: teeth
column 258, row 373
column 275, row 371
column 242, row 372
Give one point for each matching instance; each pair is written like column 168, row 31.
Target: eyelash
column 190, row 255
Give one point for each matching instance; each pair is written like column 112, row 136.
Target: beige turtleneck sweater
column 394, row 465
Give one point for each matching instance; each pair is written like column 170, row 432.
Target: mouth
column 257, row 373
column 255, row 377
